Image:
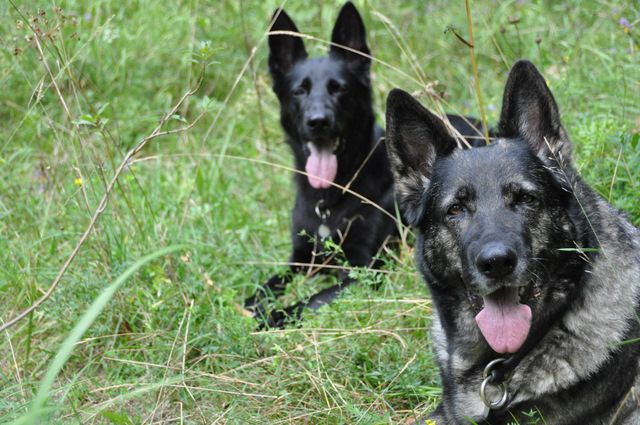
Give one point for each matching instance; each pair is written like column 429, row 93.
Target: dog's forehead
column 318, row 69
column 504, row 161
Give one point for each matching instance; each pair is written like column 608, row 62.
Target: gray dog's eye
column 455, row 209
column 525, row 198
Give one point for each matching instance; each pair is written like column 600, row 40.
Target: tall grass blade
column 38, row 404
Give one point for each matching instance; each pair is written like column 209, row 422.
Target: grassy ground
column 172, row 344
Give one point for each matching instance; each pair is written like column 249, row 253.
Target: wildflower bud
column 624, row 22
column 538, row 40
column 514, row 20
column 502, row 29
column 626, row 26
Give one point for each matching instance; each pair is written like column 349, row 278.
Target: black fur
column 327, row 101
column 324, row 100
column 516, row 214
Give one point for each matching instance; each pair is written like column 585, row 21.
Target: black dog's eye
column 302, row 88
column 334, row 87
column 455, row 210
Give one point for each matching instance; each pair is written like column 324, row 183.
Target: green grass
column 172, row 345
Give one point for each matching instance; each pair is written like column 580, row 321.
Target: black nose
column 318, row 122
column 496, row 260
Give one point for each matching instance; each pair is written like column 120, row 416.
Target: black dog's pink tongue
column 321, row 167
column 503, row 321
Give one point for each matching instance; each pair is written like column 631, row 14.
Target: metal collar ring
column 493, row 404
column 488, row 378
column 323, row 213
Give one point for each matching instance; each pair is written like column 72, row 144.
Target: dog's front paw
column 277, row 319
column 257, row 307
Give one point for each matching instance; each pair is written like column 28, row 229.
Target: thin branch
column 326, row 266
column 349, row 49
column 105, row 197
column 344, row 189
column 453, row 29
column 254, row 75
column 476, row 78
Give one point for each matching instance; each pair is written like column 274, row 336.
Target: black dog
column 327, row 115
column 535, row 278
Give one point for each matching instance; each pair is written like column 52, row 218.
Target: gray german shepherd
column 534, row 277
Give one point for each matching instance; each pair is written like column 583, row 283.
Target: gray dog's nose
column 496, row 260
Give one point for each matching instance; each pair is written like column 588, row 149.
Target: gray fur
column 581, row 361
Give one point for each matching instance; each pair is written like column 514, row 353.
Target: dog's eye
column 455, row 209
column 334, row 87
column 525, row 198
column 303, row 88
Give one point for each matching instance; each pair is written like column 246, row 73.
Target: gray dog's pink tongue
column 321, row 167
column 503, row 321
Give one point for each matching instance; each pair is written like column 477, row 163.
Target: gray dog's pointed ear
column 349, row 32
column 284, row 50
column 415, row 139
column 530, row 111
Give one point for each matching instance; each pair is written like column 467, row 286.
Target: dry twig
column 126, row 161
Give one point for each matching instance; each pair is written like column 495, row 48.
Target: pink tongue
column 503, row 321
column 321, row 167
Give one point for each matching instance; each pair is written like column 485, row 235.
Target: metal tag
column 324, row 231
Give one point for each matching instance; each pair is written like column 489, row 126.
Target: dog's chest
column 325, row 224
column 325, row 221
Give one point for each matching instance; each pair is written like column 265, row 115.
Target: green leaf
column 117, row 418
column 178, row 118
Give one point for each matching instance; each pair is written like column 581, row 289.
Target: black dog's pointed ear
column 530, row 111
column 415, row 139
column 349, row 32
column 284, row 50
